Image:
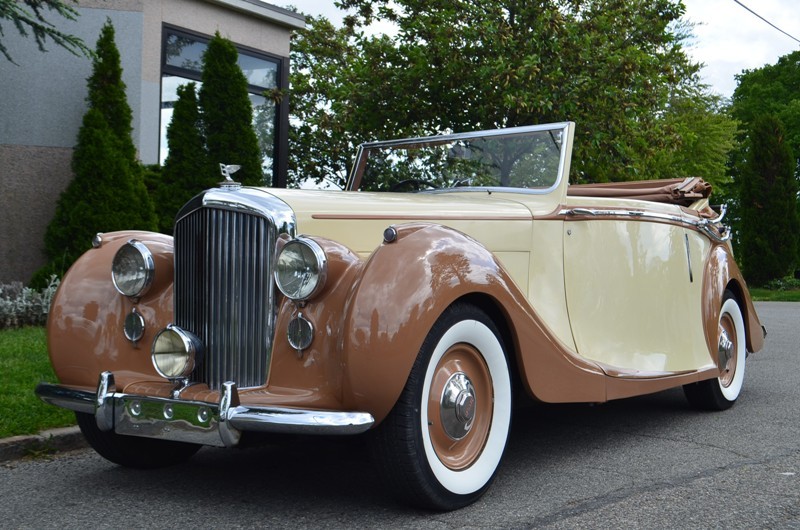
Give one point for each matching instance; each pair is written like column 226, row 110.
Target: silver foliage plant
column 23, row 306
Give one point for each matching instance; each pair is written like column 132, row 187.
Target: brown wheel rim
column 460, row 406
column 728, row 350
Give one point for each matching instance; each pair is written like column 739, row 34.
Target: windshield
column 522, row 157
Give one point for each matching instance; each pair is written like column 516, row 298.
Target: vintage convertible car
column 454, row 273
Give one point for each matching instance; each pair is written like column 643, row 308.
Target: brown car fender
column 721, row 273
column 313, row 377
column 404, row 288
column 85, row 326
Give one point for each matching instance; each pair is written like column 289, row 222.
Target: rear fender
column 723, row 273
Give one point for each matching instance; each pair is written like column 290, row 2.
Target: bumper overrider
column 217, row 424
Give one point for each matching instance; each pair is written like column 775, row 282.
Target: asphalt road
column 648, row 462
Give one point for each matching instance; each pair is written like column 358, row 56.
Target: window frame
column 280, row 148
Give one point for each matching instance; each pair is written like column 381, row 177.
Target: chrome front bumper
column 218, row 424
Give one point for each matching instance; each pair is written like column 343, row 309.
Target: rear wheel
column 722, row 392
column 133, row 451
column 441, row 445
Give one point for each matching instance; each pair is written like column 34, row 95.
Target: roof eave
column 264, row 11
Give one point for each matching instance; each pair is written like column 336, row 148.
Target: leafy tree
column 324, row 138
column 769, row 90
column 185, row 172
column 701, row 134
column 616, row 67
column 227, row 114
column 770, row 221
column 28, row 15
column 107, row 192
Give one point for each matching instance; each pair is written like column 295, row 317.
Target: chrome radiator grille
column 223, row 292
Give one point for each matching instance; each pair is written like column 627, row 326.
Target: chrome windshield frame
column 567, row 129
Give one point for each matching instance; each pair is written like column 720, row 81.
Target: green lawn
column 764, row 295
column 23, row 364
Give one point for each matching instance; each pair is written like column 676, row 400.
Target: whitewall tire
column 722, row 392
column 441, row 445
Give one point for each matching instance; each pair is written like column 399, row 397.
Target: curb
column 62, row 439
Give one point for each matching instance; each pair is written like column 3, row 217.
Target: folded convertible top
column 682, row 192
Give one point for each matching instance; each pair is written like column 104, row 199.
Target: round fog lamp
column 301, row 269
column 300, row 333
column 134, row 326
column 175, row 352
column 133, row 269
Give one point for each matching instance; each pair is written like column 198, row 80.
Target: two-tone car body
column 452, row 273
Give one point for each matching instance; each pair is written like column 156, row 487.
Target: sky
column 727, row 38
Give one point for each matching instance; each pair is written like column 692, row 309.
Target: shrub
column 783, row 284
column 24, row 306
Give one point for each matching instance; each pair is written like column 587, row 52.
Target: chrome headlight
column 301, row 269
column 176, row 352
column 133, row 269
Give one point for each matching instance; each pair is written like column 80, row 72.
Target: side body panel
column 634, row 304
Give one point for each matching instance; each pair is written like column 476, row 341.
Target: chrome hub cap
column 725, row 349
column 457, row 406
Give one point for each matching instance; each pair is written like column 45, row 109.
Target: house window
column 182, row 62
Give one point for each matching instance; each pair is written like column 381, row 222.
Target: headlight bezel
column 191, row 350
column 145, row 269
column 293, row 282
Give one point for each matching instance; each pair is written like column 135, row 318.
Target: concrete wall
column 43, row 102
column 41, row 111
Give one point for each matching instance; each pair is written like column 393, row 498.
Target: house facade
column 161, row 43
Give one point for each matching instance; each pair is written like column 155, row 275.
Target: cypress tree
column 227, row 114
column 98, row 198
column 768, row 197
column 107, row 191
column 107, row 90
column 185, row 172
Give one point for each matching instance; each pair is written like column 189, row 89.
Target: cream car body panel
column 546, row 289
column 628, row 289
column 357, row 220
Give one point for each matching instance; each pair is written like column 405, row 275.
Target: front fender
column 85, row 327
column 404, row 287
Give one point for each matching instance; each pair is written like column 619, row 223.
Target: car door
column 633, row 291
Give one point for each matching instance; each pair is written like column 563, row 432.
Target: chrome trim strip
column 66, row 398
column 296, row 421
column 221, row 424
column 703, row 225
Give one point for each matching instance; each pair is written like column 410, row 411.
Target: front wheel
column 722, row 392
column 133, row 451
column 441, row 445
